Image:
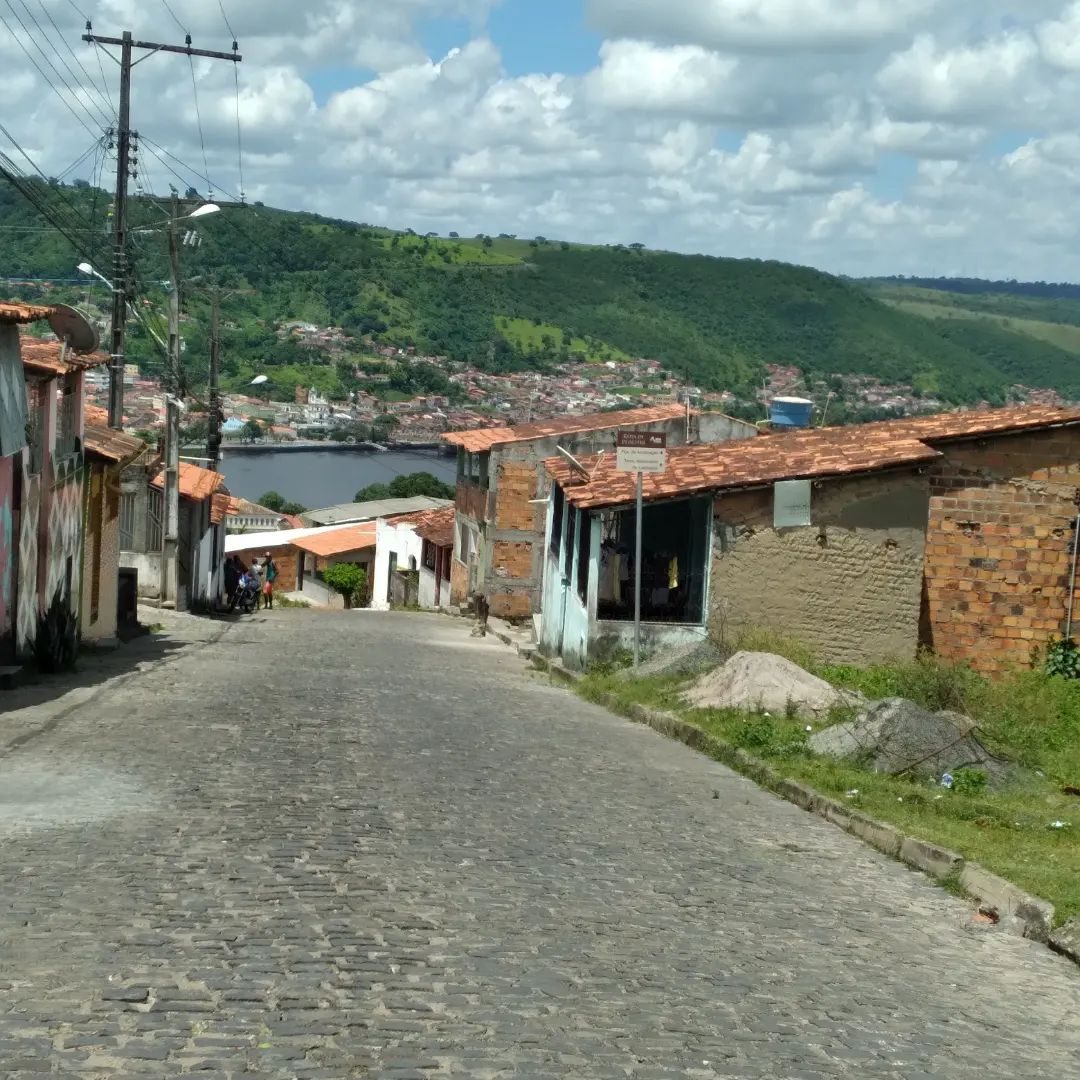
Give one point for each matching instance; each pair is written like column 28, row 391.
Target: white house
column 409, row 568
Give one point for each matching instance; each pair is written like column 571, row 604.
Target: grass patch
column 527, row 335
column 1030, row 718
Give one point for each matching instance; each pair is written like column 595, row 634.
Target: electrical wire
column 168, row 8
column 228, row 25
column 198, row 120
column 161, row 153
column 239, row 139
column 95, row 118
column 107, row 99
column 48, row 81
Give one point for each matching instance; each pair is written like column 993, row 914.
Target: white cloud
column 857, row 135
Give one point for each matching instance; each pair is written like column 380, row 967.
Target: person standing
column 232, row 580
column 270, row 573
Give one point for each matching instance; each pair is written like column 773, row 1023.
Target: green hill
column 507, row 303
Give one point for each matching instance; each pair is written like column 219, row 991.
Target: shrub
column 1063, row 658
column 969, row 781
column 348, row 579
column 56, row 647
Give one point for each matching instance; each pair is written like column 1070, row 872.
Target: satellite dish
column 74, row 328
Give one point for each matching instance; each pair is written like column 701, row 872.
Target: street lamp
column 200, row 211
column 86, row 268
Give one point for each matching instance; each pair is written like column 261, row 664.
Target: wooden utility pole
column 215, row 417
column 170, row 537
column 124, row 133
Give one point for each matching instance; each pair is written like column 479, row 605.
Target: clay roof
column 813, row 453
column 110, row 444
column 438, row 527
column 51, row 357
column 195, row 483
column 327, row 542
column 238, row 506
column 95, row 414
column 13, row 311
column 219, row 507
column 481, row 439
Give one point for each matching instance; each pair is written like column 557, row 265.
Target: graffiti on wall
column 26, row 618
column 64, row 556
column 7, row 542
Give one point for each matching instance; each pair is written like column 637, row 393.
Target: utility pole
column 215, row 417
column 127, row 46
column 170, row 536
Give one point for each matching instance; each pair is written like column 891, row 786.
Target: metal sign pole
column 637, row 575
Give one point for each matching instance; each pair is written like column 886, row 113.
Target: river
column 320, row 478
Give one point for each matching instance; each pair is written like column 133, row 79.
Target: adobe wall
column 999, row 549
column 848, row 585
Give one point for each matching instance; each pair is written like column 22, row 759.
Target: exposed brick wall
column 511, row 605
column 286, row 559
column 999, row 547
column 511, row 560
column 516, row 486
column 848, row 585
column 459, row 581
column 471, row 501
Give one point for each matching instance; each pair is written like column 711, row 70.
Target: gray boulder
column 897, row 736
column 685, row 660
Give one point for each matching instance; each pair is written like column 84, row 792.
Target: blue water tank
column 790, row 412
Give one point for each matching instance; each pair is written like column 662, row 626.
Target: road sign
column 641, row 451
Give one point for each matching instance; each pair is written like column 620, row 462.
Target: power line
column 239, row 141
column 169, row 9
column 198, row 119
column 228, row 25
column 96, row 119
column 82, row 67
column 48, row 81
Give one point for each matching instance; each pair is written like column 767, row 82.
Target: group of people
column 259, row 577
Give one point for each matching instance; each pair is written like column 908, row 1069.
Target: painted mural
column 26, row 618
column 64, row 555
column 7, row 546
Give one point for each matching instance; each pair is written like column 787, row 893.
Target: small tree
column 253, row 430
column 348, row 579
column 272, row 500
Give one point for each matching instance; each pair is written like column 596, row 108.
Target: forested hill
column 505, row 303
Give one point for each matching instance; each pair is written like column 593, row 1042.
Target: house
column 302, row 554
column 242, row 515
column 41, row 478
column 400, row 550
column 352, row 513
column 108, row 451
column 498, row 552
column 436, row 553
column 952, row 531
column 201, row 549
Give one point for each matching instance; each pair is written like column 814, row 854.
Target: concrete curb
column 1018, row 911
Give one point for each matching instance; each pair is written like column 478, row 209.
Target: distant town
column 484, row 398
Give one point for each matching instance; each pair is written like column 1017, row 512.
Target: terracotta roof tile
column 819, row 452
column 50, row 356
column 108, row 443
column 219, row 508
column 325, row 543
column 438, row 528
column 12, row 311
column 481, row 439
column 195, row 483
column 95, row 414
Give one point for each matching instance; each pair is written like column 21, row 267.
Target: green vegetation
column 1026, row 833
column 405, row 487
column 346, row 579
column 507, row 303
column 272, row 500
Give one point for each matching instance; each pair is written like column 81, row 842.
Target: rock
column 897, row 736
column 686, row 660
column 1066, row 940
column 761, row 681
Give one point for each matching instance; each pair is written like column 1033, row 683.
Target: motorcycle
column 246, row 600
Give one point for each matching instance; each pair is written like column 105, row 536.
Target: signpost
column 639, row 452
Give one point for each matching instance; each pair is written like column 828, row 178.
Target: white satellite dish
column 73, row 328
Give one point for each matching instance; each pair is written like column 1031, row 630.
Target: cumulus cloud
column 863, row 136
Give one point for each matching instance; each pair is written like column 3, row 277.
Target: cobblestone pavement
column 357, row 845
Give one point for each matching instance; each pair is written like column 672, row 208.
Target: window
column 584, row 544
column 476, row 469
column 127, row 521
column 557, row 519
column 429, row 555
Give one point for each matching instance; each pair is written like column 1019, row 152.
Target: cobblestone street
column 343, row 845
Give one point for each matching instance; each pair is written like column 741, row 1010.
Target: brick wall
column 848, row 585
column 517, row 484
column 511, row 560
column 999, row 547
column 511, row 605
column 459, row 581
column 471, row 501
column 286, row 559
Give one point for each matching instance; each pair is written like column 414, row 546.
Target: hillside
column 506, row 303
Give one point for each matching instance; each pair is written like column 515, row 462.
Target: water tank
column 790, row 412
